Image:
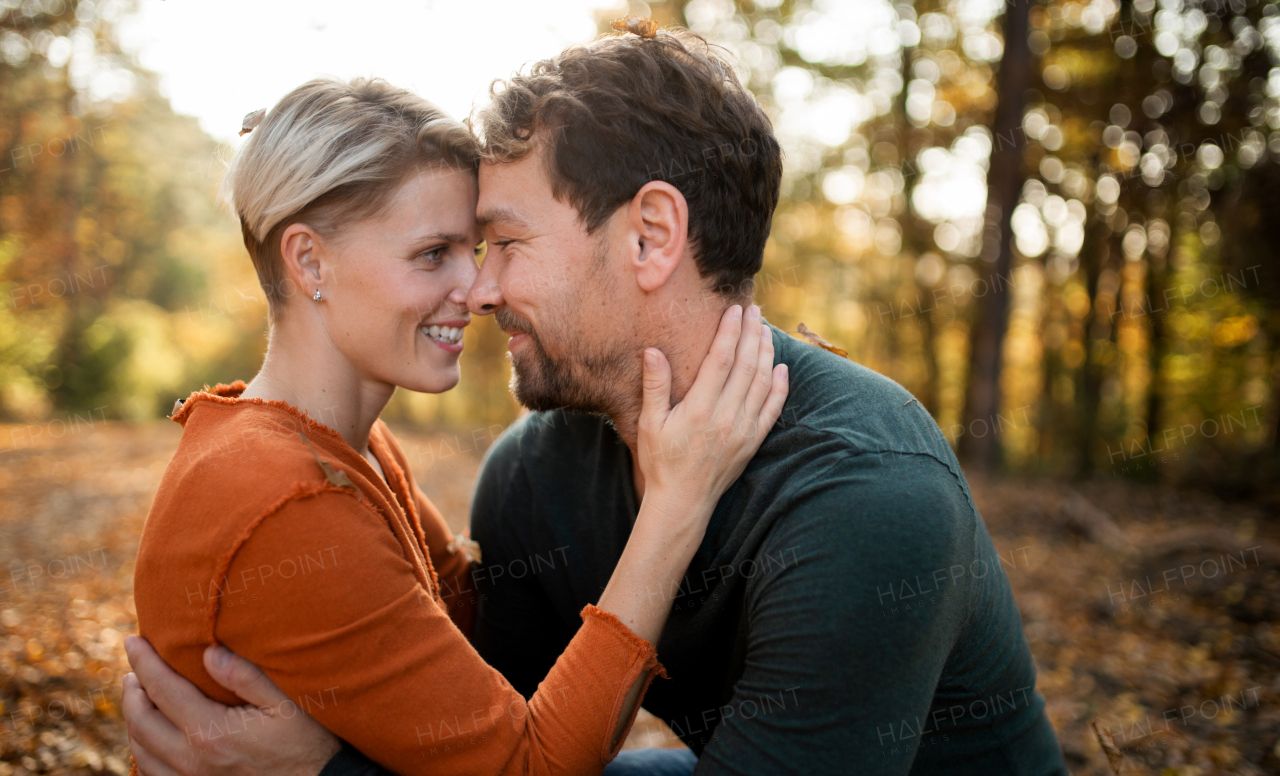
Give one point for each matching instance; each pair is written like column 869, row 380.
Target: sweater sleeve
column 327, row 604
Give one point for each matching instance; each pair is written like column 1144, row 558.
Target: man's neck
column 683, row 329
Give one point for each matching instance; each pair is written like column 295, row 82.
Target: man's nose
column 485, row 296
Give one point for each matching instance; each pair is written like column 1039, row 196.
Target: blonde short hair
column 333, row 152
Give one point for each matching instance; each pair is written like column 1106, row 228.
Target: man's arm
column 159, row 704
column 835, row 663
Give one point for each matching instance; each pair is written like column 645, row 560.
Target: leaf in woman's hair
column 252, row 120
column 1114, row 756
column 813, row 337
column 636, row 25
column 336, row 477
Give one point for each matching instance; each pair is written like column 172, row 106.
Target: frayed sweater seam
column 300, row 491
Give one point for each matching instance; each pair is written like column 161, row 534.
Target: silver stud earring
column 316, row 298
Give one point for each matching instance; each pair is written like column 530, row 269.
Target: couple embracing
column 726, row 505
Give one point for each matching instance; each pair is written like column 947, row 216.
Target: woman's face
column 395, row 285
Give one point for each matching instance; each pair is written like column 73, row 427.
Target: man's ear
column 659, row 217
column 299, row 247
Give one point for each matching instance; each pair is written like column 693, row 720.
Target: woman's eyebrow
column 450, row 237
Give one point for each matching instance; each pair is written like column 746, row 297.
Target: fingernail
column 650, row 359
column 786, row 373
column 220, row 656
column 130, row 642
column 755, row 312
column 737, row 311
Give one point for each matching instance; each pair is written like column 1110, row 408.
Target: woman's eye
column 435, row 256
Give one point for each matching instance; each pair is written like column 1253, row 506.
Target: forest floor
column 1153, row 612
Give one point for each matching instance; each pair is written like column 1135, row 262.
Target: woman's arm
column 688, row 456
column 363, row 647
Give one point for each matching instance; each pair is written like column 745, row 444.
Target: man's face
column 567, row 303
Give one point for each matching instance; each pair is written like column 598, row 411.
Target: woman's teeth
column 446, row 334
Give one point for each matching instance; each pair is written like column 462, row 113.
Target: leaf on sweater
column 637, row 25
column 813, row 337
column 336, row 477
column 463, row 543
column 1114, row 756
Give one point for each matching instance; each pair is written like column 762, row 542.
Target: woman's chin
column 434, row 381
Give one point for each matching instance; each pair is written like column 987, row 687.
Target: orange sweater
column 333, row 590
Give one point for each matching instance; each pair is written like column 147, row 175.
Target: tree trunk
column 1095, row 259
column 73, row 328
column 1157, row 276
column 1004, row 186
column 913, row 242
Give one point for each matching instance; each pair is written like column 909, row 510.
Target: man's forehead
column 510, row 192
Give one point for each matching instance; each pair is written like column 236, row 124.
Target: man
column 847, row 612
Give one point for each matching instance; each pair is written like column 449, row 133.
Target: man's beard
column 608, row 382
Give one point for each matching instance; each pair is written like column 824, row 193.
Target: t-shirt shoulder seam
column 855, row 451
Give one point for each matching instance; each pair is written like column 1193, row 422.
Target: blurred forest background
column 1053, row 221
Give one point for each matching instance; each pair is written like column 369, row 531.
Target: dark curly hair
column 612, row 115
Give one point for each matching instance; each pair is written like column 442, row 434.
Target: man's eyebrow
column 499, row 215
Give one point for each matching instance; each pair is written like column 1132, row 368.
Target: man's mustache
column 511, row 322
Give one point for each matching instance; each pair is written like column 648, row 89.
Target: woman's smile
column 446, row 335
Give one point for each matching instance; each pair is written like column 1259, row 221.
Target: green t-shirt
column 846, row 612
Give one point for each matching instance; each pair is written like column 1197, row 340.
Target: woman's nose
column 463, row 281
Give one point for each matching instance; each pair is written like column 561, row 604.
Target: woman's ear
column 659, row 217
column 299, row 248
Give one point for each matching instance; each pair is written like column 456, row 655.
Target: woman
column 288, row 527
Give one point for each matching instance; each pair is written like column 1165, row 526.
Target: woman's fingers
column 715, row 369
column 746, row 361
column 656, row 401
column 772, row 409
column 762, row 382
